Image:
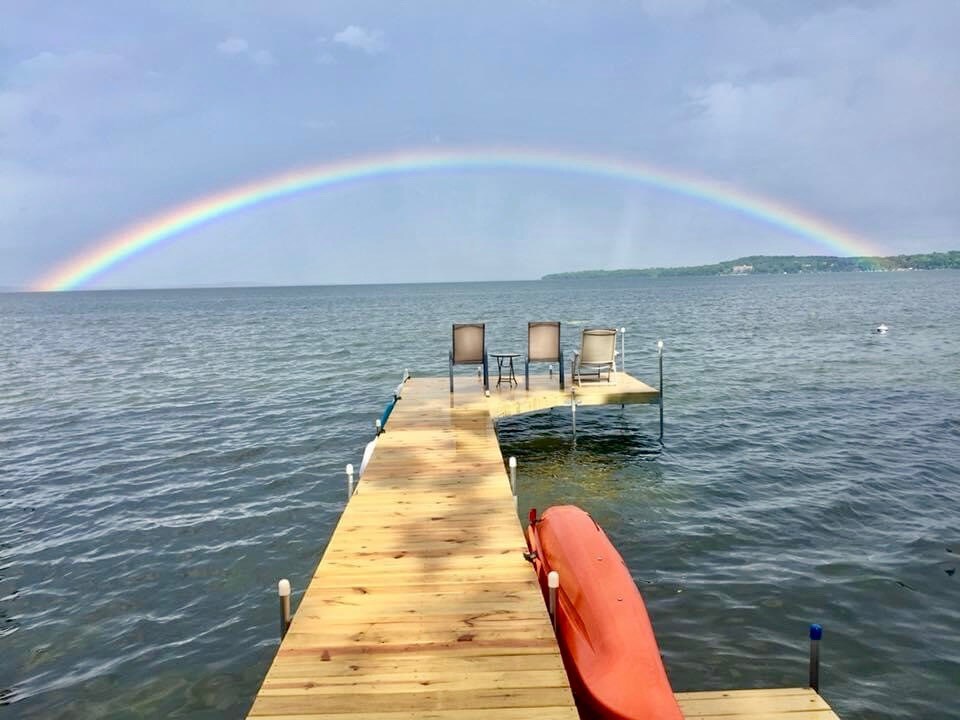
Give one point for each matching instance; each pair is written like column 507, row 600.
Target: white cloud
column 673, row 8
column 263, row 58
column 233, row 46
column 239, row 47
column 358, row 38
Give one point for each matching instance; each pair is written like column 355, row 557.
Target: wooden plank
column 437, row 653
column 387, row 545
column 562, row 712
column 370, row 665
column 761, row 715
column 754, row 692
column 476, row 698
column 364, row 633
column 379, row 599
column 449, row 556
column 413, row 681
column 764, row 704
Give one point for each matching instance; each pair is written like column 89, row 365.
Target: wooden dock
column 423, row 606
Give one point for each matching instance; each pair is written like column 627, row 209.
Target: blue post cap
column 816, row 631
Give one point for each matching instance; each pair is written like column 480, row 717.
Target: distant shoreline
column 783, row 265
column 751, row 265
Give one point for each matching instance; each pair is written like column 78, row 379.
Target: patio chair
column 469, row 348
column 543, row 345
column 598, row 352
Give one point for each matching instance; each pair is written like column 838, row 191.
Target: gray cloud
column 238, row 46
column 844, row 106
column 58, row 103
column 233, row 46
column 674, row 8
column 263, row 58
column 359, row 38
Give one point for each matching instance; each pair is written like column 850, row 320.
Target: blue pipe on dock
column 389, row 408
column 386, row 414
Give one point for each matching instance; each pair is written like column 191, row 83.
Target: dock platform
column 423, row 606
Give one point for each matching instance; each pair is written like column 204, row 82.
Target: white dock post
column 349, row 480
column 513, row 479
column 283, row 590
column 379, row 427
column 553, row 584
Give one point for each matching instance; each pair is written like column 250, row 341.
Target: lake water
column 166, row 456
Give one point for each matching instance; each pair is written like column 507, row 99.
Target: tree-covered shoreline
column 784, row 264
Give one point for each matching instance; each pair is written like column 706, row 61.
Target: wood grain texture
column 766, row 704
column 422, row 605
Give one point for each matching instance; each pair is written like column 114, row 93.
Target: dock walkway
column 423, row 605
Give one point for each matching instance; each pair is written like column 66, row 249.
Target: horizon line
column 252, row 284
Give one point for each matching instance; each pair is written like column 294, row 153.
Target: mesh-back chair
column 543, row 345
column 598, row 352
column 469, row 348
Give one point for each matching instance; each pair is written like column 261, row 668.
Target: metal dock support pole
column 349, row 480
column 573, row 410
column 283, row 590
column 660, row 354
column 623, row 349
column 553, row 585
column 513, row 479
column 816, row 632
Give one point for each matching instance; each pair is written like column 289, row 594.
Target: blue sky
column 111, row 112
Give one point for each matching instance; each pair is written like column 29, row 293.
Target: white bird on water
column 882, row 329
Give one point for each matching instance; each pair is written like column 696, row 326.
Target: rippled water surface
column 165, row 456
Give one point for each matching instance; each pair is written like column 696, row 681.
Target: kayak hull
column 609, row 649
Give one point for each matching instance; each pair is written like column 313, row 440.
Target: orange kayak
column 608, row 646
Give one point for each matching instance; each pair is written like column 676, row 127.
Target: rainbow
column 127, row 243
